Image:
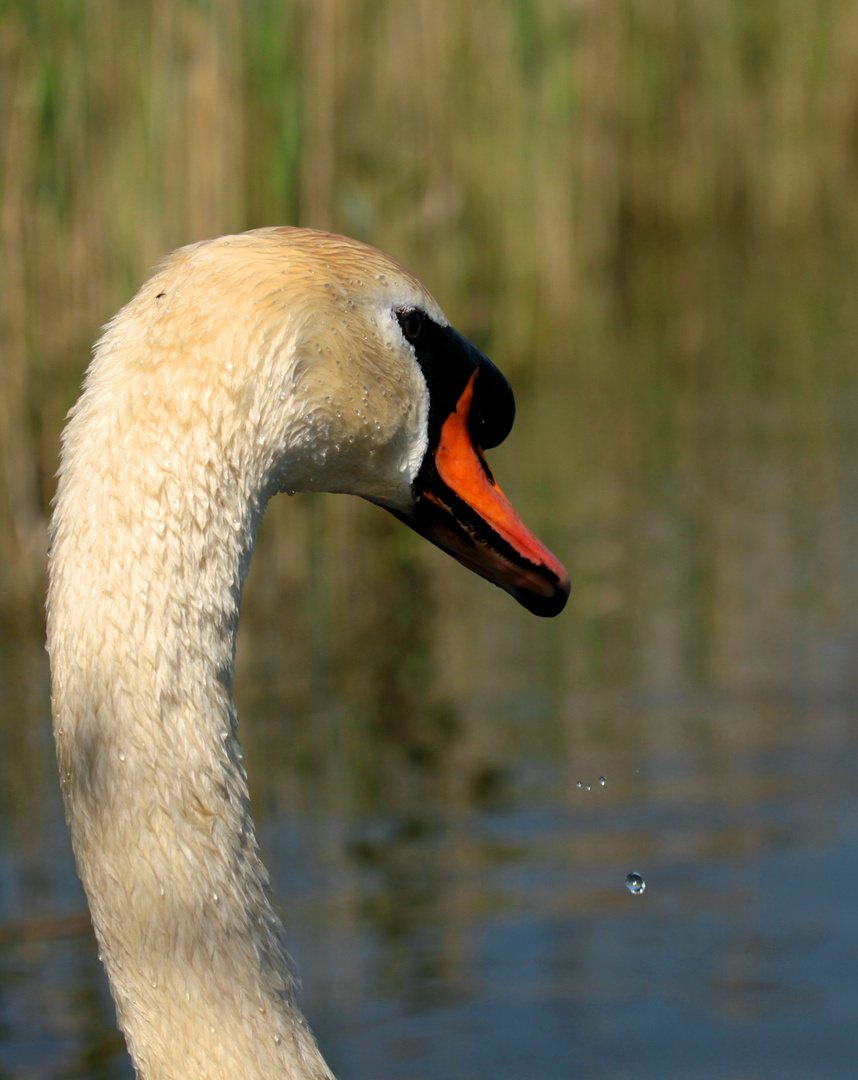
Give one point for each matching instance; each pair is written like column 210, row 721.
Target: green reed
column 517, row 155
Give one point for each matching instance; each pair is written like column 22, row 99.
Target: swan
column 279, row 359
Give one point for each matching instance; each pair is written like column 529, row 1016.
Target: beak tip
column 546, row 604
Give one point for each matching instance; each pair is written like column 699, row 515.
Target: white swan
column 272, row 360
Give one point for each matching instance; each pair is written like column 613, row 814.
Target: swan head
column 321, row 364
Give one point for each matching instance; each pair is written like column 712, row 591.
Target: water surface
column 456, row 903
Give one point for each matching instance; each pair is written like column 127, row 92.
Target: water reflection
column 456, row 902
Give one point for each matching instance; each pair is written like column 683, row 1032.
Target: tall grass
column 513, row 153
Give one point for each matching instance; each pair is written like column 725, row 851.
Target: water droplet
column 579, row 783
column 121, row 756
column 635, row 884
column 282, row 395
column 276, row 1040
column 602, row 781
column 214, row 897
column 308, row 417
column 588, row 787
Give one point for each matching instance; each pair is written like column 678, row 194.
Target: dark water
column 456, row 903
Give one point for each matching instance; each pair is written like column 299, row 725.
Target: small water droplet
column 290, row 491
column 635, row 884
column 121, row 756
column 602, row 781
column 276, row 1040
column 308, row 417
column 588, row 787
column 579, row 783
column 282, row 395
column 214, row 897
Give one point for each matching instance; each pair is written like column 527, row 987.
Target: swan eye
column 411, row 323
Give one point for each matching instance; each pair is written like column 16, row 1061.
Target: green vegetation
column 520, row 156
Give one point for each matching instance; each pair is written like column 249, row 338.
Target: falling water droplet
column 588, row 787
column 635, row 884
column 602, row 781
column 579, row 783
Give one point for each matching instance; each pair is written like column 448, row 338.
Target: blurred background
column 646, row 212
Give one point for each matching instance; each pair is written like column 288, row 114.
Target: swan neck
column 146, row 574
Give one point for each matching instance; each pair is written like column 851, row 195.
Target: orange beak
column 462, row 510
